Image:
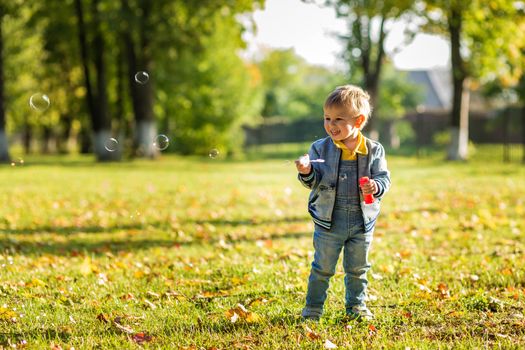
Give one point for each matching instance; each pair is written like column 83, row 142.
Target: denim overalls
column 348, row 233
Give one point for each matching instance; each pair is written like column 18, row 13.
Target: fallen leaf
column 103, row 318
column 127, row 296
column 141, row 337
column 123, row 328
column 234, row 317
column 150, row 304
column 311, row 334
column 252, row 317
column 329, row 345
column 7, row 315
column 153, row 294
column 443, row 291
column 259, row 300
column 85, row 267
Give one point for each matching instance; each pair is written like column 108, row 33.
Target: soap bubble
column 39, row 102
column 214, row 153
column 141, row 77
column 161, row 142
column 19, row 162
column 111, row 145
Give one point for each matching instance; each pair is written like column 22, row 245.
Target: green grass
column 169, row 247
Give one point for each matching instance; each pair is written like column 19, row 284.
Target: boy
column 341, row 218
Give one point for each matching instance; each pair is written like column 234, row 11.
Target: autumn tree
column 483, row 45
column 364, row 43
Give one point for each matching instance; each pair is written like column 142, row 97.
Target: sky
column 309, row 30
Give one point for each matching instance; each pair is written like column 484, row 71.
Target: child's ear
column 360, row 120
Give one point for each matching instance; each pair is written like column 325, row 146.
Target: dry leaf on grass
column 241, row 313
column 329, row 345
column 311, row 334
column 141, row 337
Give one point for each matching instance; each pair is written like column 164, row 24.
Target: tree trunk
column 97, row 103
column 458, row 148
column 4, row 145
column 523, row 134
column 84, row 139
column 372, row 72
column 28, row 137
column 142, row 95
column 146, row 132
column 101, row 120
column 100, row 142
column 506, row 141
column 391, row 137
column 64, row 140
column 82, row 40
column 45, row 146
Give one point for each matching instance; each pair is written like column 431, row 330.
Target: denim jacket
column 322, row 180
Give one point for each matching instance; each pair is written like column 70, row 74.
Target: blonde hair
column 352, row 97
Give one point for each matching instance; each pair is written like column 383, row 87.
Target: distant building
column 438, row 88
column 433, row 114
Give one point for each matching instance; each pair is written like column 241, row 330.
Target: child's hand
column 370, row 187
column 303, row 164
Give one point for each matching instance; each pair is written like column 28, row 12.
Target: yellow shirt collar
column 360, row 148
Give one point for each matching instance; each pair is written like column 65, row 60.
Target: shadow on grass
column 76, row 247
column 68, row 230
column 254, row 222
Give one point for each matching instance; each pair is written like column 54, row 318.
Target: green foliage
column 192, row 47
column 294, row 88
column 397, row 95
column 212, row 92
column 492, row 36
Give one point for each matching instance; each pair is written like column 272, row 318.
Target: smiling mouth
column 335, row 133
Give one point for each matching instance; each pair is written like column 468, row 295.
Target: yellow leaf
column 37, row 282
column 252, row 317
column 85, row 268
column 6, row 314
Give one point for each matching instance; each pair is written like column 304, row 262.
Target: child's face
column 340, row 123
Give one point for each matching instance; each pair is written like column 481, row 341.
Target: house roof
column 437, row 84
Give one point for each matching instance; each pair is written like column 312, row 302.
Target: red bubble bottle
column 369, row 198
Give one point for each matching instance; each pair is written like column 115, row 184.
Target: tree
column 482, row 42
column 6, row 8
column 364, row 47
column 73, row 50
column 166, row 32
column 212, row 90
column 293, row 88
column 97, row 98
column 4, row 148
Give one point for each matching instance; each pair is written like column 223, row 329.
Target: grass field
column 160, row 255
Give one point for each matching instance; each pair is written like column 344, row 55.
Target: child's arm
column 308, row 176
column 380, row 173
